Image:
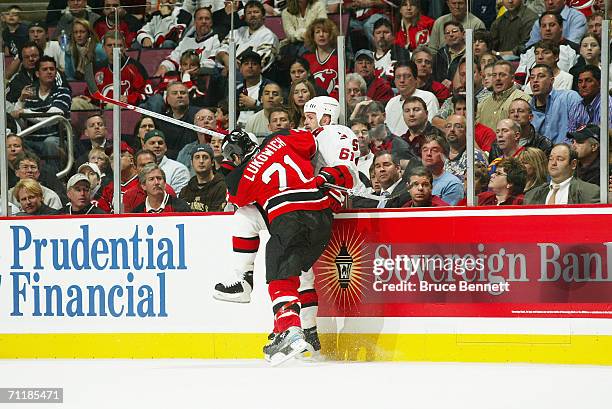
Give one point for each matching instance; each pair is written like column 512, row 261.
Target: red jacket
column 136, row 196
column 101, row 27
column 484, row 136
column 134, row 81
column 416, row 35
column 489, row 199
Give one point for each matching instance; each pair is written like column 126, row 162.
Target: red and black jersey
column 280, row 177
column 134, row 81
column 325, row 73
column 105, row 201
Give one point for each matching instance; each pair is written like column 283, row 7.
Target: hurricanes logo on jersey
column 343, row 269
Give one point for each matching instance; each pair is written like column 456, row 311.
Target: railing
column 69, row 136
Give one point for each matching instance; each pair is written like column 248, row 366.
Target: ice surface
column 249, row 384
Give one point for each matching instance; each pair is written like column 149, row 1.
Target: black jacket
column 443, row 67
column 177, row 137
column 91, row 209
column 210, row 197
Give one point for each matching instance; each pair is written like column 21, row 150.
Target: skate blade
column 311, row 356
column 296, row 348
column 241, row 299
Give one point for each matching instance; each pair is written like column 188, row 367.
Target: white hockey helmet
column 323, row 106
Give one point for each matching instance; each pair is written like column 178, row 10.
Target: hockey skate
column 312, row 338
column 285, row 346
column 238, row 291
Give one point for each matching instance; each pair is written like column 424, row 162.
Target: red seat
column 345, row 20
column 150, row 59
column 128, row 121
column 78, row 87
column 275, row 24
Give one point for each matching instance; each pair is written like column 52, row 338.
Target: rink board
column 485, row 285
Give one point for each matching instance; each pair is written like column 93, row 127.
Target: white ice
column 171, row 384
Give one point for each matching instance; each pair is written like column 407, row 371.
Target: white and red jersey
column 280, row 177
column 324, row 72
column 337, row 145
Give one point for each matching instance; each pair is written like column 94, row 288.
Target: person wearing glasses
column 27, row 166
column 406, row 73
column 456, row 162
column 458, row 12
column 506, row 184
column 448, row 57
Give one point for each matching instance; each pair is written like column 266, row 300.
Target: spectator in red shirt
column 134, row 78
column 415, row 26
column 484, row 135
column 106, row 22
column 129, row 178
column 506, row 184
column 136, row 196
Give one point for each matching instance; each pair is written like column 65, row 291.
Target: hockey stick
column 356, row 192
column 95, row 93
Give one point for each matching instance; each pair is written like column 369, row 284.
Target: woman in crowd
column 301, row 92
column 415, row 26
column 535, row 163
column 298, row 15
column 321, row 39
column 144, row 125
column 590, row 54
column 300, row 70
column 83, row 49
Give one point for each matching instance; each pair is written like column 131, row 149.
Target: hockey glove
column 336, row 175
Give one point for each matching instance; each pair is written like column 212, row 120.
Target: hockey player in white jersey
column 336, row 145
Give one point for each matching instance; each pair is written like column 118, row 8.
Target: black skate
column 238, row 291
column 285, row 346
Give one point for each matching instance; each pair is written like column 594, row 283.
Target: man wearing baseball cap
column 206, row 191
column 585, row 141
column 378, row 88
column 177, row 174
column 249, row 93
column 79, row 194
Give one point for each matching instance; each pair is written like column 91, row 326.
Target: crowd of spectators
column 537, row 76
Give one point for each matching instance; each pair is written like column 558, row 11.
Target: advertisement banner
column 469, row 263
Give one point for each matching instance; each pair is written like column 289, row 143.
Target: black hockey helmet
column 239, row 143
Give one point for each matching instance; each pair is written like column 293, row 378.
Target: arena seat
column 128, row 121
column 345, row 21
column 151, row 58
column 275, row 23
column 77, row 87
